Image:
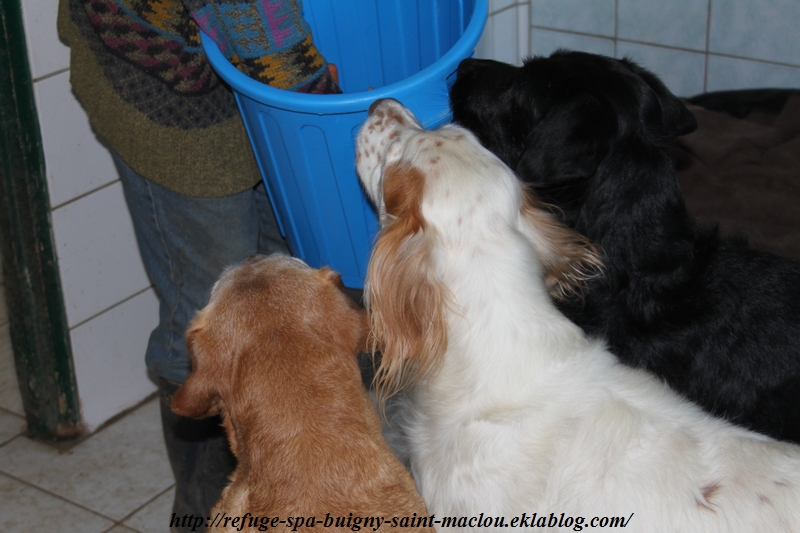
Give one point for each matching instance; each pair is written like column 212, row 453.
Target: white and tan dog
column 512, row 409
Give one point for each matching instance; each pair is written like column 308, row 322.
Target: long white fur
column 525, row 413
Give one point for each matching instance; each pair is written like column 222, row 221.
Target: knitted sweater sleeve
column 268, row 40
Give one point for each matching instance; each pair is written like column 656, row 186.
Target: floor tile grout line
column 8, row 411
column 65, row 499
column 22, row 429
column 113, row 527
column 56, row 495
column 9, row 441
column 151, row 500
column 68, row 445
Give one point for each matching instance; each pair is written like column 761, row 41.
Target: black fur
column 720, row 322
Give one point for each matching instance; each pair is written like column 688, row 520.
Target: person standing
column 188, row 173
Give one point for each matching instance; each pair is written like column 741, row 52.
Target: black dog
column 720, row 322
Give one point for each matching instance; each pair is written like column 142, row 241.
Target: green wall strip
column 38, row 325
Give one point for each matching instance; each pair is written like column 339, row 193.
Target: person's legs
column 185, row 244
column 200, row 458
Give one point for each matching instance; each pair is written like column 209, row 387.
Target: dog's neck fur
column 520, row 348
column 650, row 199
column 658, row 259
column 508, row 354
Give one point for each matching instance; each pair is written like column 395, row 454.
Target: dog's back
column 626, row 444
column 275, row 352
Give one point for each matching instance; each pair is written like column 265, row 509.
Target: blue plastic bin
column 305, row 144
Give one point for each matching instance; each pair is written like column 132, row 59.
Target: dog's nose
column 376, row 103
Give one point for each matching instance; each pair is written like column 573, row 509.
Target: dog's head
column 266, row 318
column 556, row 118
column 442, row 192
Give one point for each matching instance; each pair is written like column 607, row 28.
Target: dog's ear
column 569, row 142
column 328, row 275
column 675, row 117
column 198, row 397
column 568, row 259
column 678, row 120
column 404, row 299
column 355, row 325
column 363, row 327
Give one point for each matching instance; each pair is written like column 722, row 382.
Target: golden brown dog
column 274, row 352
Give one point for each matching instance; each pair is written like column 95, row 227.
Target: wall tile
column 725, row 73
column 582, row 16
column 680, row 23
column 544, row 42
column 46, row 53
column 523, row 31
column 683, row 72
column 108, row 352
column 756, row 29
column 497, row 5
column 75, row 161
column 485, row 47
column 97, row 253
column 504, row 36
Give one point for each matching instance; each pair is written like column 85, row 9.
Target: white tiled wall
column 693, row 45
column 46, row 53
column 110, row 305
column 99, row 262
column 505, row 37
column 75, row 163
column 756, row 29
column 120, row 335
column 677, row 23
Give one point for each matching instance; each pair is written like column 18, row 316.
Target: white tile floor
column 116, row 481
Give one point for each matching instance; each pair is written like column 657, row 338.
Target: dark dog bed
column 741, row 167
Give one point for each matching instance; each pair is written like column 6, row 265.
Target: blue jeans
column 185, row 244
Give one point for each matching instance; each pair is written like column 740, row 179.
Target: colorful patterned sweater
column 139, row 71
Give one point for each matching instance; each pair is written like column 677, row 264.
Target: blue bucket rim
column 343, row 103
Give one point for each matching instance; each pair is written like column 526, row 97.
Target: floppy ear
column 568, row 259
column 405, row 300
column 198, row 397
column 357, row 328
column 676, row 119
column 363, row 326
column 569, row 142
